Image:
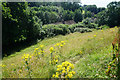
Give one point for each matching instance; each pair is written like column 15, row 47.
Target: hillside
column 89, row 52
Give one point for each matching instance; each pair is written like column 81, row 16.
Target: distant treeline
column 23, row 22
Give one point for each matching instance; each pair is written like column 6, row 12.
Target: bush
column 92, row 25
column 81, row 25
column 104, row 26
column 82, row 30
column 53, row 30
column 88, row 23
column 65, row 29
column 72, row 27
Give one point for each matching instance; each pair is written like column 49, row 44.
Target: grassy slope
column 92, row 63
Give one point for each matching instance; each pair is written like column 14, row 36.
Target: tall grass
column 89, row 52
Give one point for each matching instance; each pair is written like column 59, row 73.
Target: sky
column 98, row 3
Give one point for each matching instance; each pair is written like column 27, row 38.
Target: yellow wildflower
column 63, row 68
column 61, row 45
column 62, row 41
column 36, row 49
column 80, row 52
column 70, row 75
column 41, row 46
column 94, row 35
column 3, row 65
column 51, row 49
column 56, row 76
column 63, row 71
column 12, row 64
column 50, row 62
column 63, row 64
column 56, row 60
column 59, row 66
column 66, row 76
column 20, row 70
column 58, row 69
column 57, row 73
column 73, row 72
column 30, row 56
column 58, row 44
column 53, row 75
column 72, row 66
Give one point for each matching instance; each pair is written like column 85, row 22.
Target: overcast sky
column 99, row 3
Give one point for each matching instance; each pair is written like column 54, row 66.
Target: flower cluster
column 60, row 44
column 64, row 70
column 26, row 57
column 51, row 50
column 38, row 51
column 94, row 35
column 41, row 50
column 2, row 65
column 54, row 61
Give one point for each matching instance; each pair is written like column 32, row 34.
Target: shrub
column 72, row 27
column 104, row 26
column 82, row 30
column 53, row 30
column 80, row 24
column 65, row 28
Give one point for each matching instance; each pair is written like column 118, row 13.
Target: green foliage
column 113, row 9
column 92, row 8
column 102, row 18
column 13, row 22
column 80, row 25
column 23, row 22
column 82, row 30
column 104, row 27
column 72, row 27
column 19, row 24
column 87, row 14
column 70, row 6
column 48, row 14
column 78, row 16
column 62, row 29
column 88, row 22
column 52, row 30
column 67, row 15
column 110, row 16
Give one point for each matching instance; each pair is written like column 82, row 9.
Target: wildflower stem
column 51, row 57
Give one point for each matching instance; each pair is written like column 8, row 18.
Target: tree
column 67, row 15
column 102, row 18
column 92, row 8
column 14, row 21
column 78, row 17
column 87, row 14
column 113, row 13
column 20, row 25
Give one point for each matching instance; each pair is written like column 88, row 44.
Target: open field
column 88, row 52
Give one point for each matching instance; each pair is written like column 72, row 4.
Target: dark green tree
column 78, row 17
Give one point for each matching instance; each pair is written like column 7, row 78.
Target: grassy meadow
column 89, row 52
